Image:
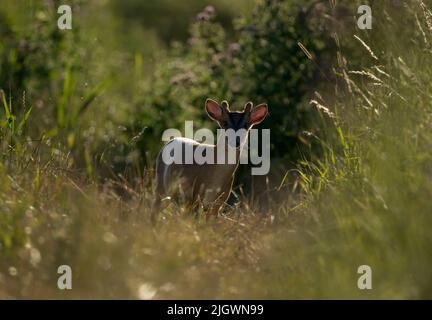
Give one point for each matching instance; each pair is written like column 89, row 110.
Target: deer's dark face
column 236, row 123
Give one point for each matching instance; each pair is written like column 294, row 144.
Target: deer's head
column 239, row 122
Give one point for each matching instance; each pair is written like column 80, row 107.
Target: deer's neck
column 229, row 165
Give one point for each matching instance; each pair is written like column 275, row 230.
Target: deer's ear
column 213, row 109
column 258, row 114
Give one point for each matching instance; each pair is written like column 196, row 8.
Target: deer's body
column 208, row 183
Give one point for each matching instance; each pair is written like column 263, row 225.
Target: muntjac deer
column 209, row 183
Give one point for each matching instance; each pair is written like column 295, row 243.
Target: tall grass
column 366, row 200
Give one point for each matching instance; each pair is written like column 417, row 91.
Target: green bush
column 262, row 61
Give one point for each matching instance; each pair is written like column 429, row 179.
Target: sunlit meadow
column 81, row 118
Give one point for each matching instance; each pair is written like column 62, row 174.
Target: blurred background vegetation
column 81, row 120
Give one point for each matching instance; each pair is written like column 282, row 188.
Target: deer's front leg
column 213, row 211
column 220, row 201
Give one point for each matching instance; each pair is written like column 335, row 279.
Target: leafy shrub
column 262, row 61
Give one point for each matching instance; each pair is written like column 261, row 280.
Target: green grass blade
column 24, row 119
